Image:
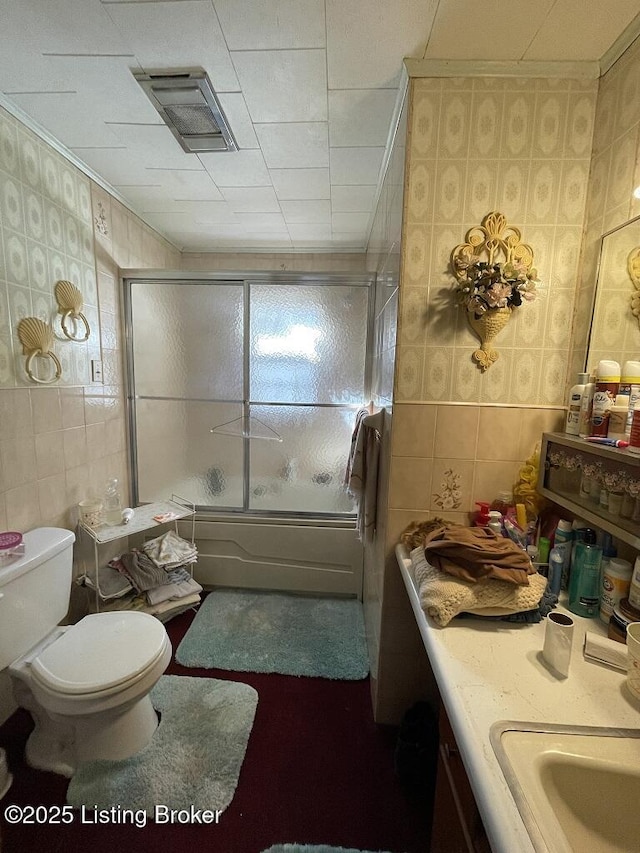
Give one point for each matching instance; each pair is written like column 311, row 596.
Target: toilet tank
column 34, row 590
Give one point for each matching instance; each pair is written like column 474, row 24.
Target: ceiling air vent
column 189, row 107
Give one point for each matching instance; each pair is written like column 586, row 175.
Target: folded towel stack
column 160, row 569
column 443, row 596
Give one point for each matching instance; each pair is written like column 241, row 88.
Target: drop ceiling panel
column 349, row 222
column 301, row 183
column 179, row 34
column 365, row 41
column 310, row 231
column 116, row 165
column 283, row 85
column 298, row 145
column 463, row 30
column 186, row 184
column 271, row 24
column 236, row 168
column 305, row 212
column 251, row 199
column 360, row 116
column 61, row 26
column 263, row 222
column 211, row 212
column 237, row 115
column 154, row 145
column 586, row 40
column 152, row 200
column 108, row 83
column 355, row 165
column 355, row 199
column 72, row 119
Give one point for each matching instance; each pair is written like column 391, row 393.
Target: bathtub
column 315, row 556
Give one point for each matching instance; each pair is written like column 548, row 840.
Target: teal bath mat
column 246, row 631
column 195, row 754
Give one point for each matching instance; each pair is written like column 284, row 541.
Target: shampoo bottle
column 574, row 408
column 584, row 586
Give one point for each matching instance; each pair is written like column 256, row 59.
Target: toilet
column 86, row 685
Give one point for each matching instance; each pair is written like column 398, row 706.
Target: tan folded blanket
column 442, row 597
column 473, row 553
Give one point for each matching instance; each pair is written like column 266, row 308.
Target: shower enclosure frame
column 246, row 279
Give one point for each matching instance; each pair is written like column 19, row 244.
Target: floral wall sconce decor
column 36, row 338
column 494, row 274
column 70, row 306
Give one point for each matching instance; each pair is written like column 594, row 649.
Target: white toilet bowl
column 87, row 688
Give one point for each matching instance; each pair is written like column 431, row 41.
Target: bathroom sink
column 577, row 788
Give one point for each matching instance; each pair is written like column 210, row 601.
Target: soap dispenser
column 482, row 515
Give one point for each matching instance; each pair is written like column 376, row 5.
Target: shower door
column 243, row 393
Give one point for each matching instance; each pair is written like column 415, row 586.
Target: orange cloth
column 473, row 553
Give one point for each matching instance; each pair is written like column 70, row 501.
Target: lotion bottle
column 574, row 408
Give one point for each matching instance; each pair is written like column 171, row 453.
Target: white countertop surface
column 489, row 671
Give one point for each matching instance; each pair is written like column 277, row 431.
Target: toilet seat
column 102, row 654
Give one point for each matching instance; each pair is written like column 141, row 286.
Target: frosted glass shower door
column 188, row 373
column 307, row 372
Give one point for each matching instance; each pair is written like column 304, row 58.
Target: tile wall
column 59, row 443
column 475, row 145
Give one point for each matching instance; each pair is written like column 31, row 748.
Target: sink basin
column 577, row 788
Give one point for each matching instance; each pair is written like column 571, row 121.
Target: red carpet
column 317, row 771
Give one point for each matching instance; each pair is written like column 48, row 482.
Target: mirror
column 615, row 329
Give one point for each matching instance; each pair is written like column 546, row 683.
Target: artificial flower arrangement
column 483, row 287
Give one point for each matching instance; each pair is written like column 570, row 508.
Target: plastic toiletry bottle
column 607, row 387
column 629, row 389
column 616, row 580
column 563, row 541
column 482, row 515
column 634, row 588
column 112, row 503
column 586, row 405
column 584, row 587
column 495, row 521
column 556, row 558
column 572, row 425
column 543, row 549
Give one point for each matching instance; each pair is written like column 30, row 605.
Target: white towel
column 170, row 550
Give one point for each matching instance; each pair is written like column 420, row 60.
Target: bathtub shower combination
column 243, row 395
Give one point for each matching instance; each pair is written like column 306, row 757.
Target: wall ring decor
column 36, row 338
column 70, row 304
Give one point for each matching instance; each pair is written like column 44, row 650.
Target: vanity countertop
column 489, row 671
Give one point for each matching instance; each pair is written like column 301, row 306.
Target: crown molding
column 499, row 68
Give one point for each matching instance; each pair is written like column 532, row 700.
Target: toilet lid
column 101, row 651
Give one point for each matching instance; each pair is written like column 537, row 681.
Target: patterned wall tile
column 485, row 131
column 518, row 126
column 454, row 127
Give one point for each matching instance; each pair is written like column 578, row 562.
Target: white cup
column 633, row 658
column 558, row 642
